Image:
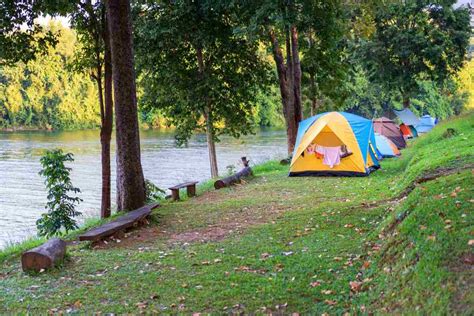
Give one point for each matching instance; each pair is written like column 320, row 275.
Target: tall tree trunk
column 296, row 67
column 106, row 128
column 211, row 145
column 130, row 180
column 287, row 97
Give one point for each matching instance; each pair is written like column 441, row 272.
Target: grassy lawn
column 279, row 244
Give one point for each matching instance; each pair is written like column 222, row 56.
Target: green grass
column 291, row 245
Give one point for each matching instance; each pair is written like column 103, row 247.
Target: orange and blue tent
column 333, row 129
column 386, row 147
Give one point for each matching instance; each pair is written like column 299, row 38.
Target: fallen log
column 233, row 179
column 45, row 256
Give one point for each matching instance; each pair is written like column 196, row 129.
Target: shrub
column 61, row 205
column 153, row 193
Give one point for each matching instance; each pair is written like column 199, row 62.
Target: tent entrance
column 327, row 138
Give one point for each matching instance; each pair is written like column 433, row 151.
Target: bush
column 153, row 193
column 61, row 205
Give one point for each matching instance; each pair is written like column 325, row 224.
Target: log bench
column 43, row 257
column 122, row 223
column 190, row 189
column 233, row 179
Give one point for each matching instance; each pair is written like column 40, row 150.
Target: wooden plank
column 122, row 223
column 183, row 185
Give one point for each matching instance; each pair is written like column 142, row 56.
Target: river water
column 22, row 193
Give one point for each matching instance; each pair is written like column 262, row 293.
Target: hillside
column 398, row 241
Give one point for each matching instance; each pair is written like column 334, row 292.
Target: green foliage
column 365, row 98
column 416, row 40
column 323, row 50
column 44, row 93
column 18, row 43
column 61, row 205
column 224, row 87
column 267, row 109
column 439, row 103
column 153, row 193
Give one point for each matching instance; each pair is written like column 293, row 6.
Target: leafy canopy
column 170, row 39
column 416, row 40
column 21, row 38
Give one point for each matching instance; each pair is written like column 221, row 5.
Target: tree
column 323, row 48
column 21, row 39
column 203, row 74
column 61, row 205
column 280, row 23
column 130, row 180
column 89, row 20
column 43, row 93
column 415, row 41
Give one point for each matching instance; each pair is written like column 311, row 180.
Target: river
column 22, row 192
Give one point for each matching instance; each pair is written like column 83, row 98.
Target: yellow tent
column 334, row 129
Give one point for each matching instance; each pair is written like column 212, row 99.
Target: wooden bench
column 122, row 223
column 190, row 189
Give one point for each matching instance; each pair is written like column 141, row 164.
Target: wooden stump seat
column 45, row 256
column 190, row 189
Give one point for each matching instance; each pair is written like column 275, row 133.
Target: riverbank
column 383, row 244
column 22, row 190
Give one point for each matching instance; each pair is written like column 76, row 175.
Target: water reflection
column 22, row 194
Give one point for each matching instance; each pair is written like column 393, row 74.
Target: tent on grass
column 406, row 131
column 386, row 127
column 334, row 144
column 407, row 117
column 386, row 147
column 426, row 124
column 410, row 121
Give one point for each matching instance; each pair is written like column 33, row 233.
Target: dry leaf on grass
column 330, row 302
column 355, row 286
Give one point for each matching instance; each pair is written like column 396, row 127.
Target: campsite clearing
column 279, row 244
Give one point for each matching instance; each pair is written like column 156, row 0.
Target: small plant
column 153, row 193
column 230, row 170
column 450, row 132
column 61, row 205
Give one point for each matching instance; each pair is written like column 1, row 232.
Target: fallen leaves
column 366, row 265
column 327, row 292
column 355, row 286
column 315, row 284
column 265, row 256
column 330, row 302
column 471, row 242
column 431, row 238
column 250, row 270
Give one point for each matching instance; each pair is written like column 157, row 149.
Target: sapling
column 62, row 201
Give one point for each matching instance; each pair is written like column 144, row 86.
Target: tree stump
column 233, row 179
column 45, row 256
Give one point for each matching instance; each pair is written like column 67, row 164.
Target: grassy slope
column 310, row 238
